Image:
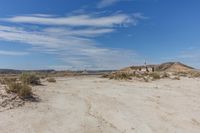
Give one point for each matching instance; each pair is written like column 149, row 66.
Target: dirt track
column 96, row 105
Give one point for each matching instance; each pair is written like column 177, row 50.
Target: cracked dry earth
column 89, row 104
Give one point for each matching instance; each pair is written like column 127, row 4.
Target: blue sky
column 98, row 34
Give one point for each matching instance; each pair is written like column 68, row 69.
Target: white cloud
column 76, row 20
column 88, row 32
column 13, row 53
column 76, row 46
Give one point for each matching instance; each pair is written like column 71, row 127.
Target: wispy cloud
column 73, row 42
column 13, row 53
column 74, row 20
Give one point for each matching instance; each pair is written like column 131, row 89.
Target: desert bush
column 105, row 75
column 165, row 75
column 146, row 79
column 120, row 76
column 30, row 78
column 22, row 90
column 25, row 91
column 176, row 78
column 52, row 80
column 182, row 74
column 155, row 75
column 7, row 80
column 13, row 87
column 2, row 81
column 195, row 74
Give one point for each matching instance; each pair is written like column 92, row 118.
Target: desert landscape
column 99, row 66
column 96, row 104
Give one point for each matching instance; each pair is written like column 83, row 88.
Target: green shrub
column 30, row 78
column 52, row 80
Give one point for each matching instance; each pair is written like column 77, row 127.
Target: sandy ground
column 96, row 105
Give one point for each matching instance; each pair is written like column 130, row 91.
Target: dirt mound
column 174, row 67
column 9, row 101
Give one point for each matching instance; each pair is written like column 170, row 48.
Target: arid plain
column 91, row 104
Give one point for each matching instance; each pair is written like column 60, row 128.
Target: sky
column 98, row 34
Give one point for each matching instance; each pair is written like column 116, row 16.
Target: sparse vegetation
column 30, row 79
column 176, row 78
column 155, row 75
column 22, row 90
column 165, row 75
column 146, row 79
column 7, row 79
column 119, row 76
column 13, row 87
column 20, row 87
column 25, row 91
column 194, row 74
column 51, row 80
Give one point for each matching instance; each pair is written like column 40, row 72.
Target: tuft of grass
column 30, row 79
column 51, row 80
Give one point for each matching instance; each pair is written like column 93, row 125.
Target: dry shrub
column 176, row 78
column 25, row 91
column 195, row 74
column 182, row 74
column 2, row 81
column 30, row 78
column 105, row 75
column 52, row 80
column 120, row 76
column 22, row 90
column 7, row 80
column 155, row 75
column 165, row 75
column 43, row 76
column 146, row 79
column 13, row 87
